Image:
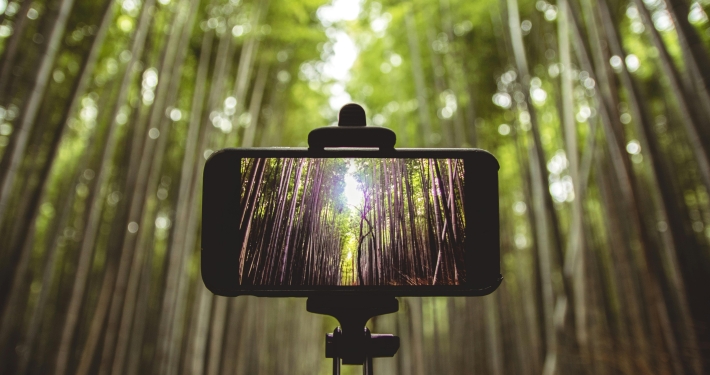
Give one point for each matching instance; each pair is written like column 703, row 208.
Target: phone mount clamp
column 351, row 132
column 352, row 343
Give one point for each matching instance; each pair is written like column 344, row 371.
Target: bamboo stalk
column 418, row 72
column 31, row 107
column 10, row 49
column 21, row 240
column 97, row 200
column 691, row 119
column 574, row 263
column 664, row 196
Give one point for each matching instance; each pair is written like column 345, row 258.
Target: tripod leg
column 367, row 367
column 336, row 366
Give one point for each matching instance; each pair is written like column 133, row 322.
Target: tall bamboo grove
column 597, row 110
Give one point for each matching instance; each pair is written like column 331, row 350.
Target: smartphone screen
column 352, row 222
column 295, row 222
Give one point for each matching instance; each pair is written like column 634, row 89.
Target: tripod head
column 352, row 341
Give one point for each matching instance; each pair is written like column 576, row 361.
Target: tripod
column 352, row 343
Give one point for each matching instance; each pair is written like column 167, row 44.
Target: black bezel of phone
column 220, row 233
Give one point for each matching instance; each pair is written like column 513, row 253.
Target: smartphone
column 406, row 222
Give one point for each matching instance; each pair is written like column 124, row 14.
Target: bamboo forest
column 352, row 222
column 598, row 112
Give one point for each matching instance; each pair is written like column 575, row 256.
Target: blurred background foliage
column 598, row 111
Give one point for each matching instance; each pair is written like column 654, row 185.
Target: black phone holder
column 352, row 343
column 351, row 132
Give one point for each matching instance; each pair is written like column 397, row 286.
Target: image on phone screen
column 352, row 222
